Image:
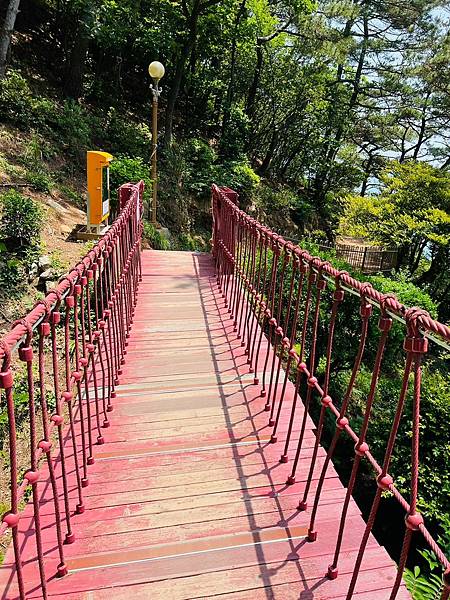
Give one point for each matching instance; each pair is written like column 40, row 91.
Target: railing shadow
column 202, row 266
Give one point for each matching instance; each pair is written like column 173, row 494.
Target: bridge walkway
column 187, row 497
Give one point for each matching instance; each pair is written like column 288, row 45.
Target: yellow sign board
column 98, row 187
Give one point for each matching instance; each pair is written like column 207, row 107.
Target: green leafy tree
column 411, row 212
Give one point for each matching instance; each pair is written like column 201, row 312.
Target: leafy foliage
column 20, row 225
column 19, row 105
column 421, row 587
column 411, row 212
column 427, row 584
column 21, row 221
column 125, row 169
column 155, row 237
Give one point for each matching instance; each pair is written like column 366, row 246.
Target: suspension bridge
column 169, row 454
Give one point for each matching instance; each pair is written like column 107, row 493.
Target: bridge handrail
column 99, row 295
column 241, row 246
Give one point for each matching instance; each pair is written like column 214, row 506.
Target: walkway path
column 187, row 497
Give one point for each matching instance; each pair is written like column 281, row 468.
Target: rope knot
column 414, row 341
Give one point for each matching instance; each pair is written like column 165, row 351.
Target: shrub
column 198, row 153
column 190, row 243
column 21, row 221
column 12, row 274
column 174, row 208
column 282, row 205
column 20, row 227
column 40, row 180
column 73, row 196
column 75, row 126
column 199, row 165
column 125, row 169
column 233, row 143
column 120, row 134
column 15, row 99
column 20, row 106
column 240, row 177
column 155, row 237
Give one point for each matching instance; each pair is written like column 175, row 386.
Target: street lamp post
column 156, row 71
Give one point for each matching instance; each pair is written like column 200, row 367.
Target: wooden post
column 364, row 259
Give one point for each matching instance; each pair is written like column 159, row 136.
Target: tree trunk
column 6, row 33
column 367, row 173
column 288, row 159
column 179, row 73
column 270, row 152
column 437, row 265
column 416, row 256
column 251, row 98
column 173, row 95
column 230, row 88
column 73, row 80
column 423, row 126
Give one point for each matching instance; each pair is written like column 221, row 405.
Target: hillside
column 22, row 168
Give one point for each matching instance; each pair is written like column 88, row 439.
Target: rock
column 55, row 205
column 33, row 272
column 47, row 274
column 49, row 285
column 66, row 229
column 45, row 262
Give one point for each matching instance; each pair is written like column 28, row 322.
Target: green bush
column 190, row 243
column 174, row 206
column 233, row 142
column 121, row 134
column 434, row 489
column 282, row 205
column 408, row 293
column 18, row 104
column 192, row 166
column 198, row 153
column 74, row 125
column 125, row 169
column 423, row 587
column 40, row 180
column 15, row 99
column 198, row 159
column 13, row 274
column 20, row 226
column 21, row 221
column 155, row 237
column 73, row 196
column 240, row 177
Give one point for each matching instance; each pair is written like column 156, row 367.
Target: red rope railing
column 269, row 281
column 75, row 342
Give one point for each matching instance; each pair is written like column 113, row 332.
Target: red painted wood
column 187, row 497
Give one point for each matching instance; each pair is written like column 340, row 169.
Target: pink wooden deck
column 187, row 498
